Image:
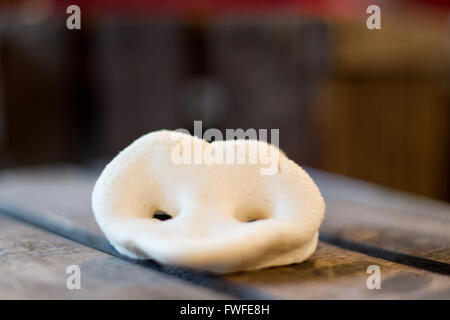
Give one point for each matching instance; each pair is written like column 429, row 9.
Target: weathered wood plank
column 383, row 218
column 63, row 195
column 356, row 210
column 335, row 273
column 33, row 265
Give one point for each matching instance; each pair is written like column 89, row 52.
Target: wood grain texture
column 383, row 218
column 356, row 210
column 334, row 273
column 33, row 265
column 62, row 195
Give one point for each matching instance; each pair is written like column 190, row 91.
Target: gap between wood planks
column 400, row 258
column 209, row 280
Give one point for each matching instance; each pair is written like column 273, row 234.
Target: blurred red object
column 207, row 9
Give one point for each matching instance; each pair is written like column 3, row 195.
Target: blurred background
column 369, row 104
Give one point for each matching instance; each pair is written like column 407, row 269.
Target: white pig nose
column 223, row 217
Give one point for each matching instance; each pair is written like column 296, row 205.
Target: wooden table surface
column 46, row 225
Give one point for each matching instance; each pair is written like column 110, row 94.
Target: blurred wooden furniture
column 38, row 117
column 383, row 117
column 138, row 65
column 386, row 115
column 46, row 224
column 272, row 70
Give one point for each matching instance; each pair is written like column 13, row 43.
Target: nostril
column 251, row 216
column 161, row 215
